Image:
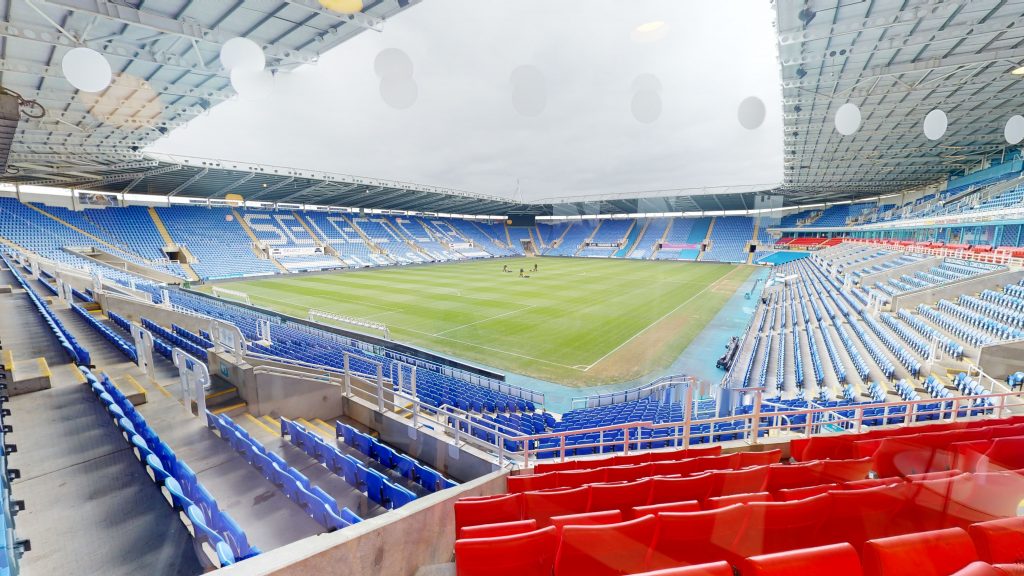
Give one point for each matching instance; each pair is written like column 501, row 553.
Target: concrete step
column 28, row 375
column 233, row 410
column 131, row 388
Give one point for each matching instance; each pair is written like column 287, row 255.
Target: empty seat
column 620, row 496
column 935, row 553
column 999, row 541
column 488, row 510
column 685, row 506
column 498, row 529
column 688, row 538
column 710, row 569
column 726, row 482
column 680, row 489
column 834, row 560
column 586, row 519
column 542, row 505
column 610, row 549
column 529, row 554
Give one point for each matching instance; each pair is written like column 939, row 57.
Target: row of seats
column 75, row 351
column 296, row 487
column 176, row 341
column 428, row 478
column 375, row 485
column 127, row 348
column 715, row 488
column 662, row 540
column 950, row 346
column 209, row 525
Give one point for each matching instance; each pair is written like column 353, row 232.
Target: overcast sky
column 575, row 121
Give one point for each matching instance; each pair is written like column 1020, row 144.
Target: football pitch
column 576, row 321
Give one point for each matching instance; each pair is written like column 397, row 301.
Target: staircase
column 631, row 237
column 583, row 245
column 374, row 248
column 255, row 241
column 168, row 241
column 753, row 240
column 668, row 229
column 707, row 239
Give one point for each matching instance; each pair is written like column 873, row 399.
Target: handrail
column 643, row 391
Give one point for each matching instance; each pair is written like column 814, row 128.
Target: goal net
column 231, row 295
column 323, row 317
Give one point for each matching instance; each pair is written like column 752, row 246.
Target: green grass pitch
column 576, row 321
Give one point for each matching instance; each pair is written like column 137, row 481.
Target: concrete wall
column 931, row 294
column 398, row 543
column 1001, row 360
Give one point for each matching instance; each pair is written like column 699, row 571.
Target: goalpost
column 235, row 294
column 314, row 314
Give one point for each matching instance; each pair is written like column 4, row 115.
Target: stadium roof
column 897, row 60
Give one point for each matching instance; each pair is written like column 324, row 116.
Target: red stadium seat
column 979, row 569
column 833, row 560
column 687, row 538
column 669, row 468
column 684, row 506
column 631, row 459
column 857, row 516
column 627, row 473
column 541, row 506
column 805, row 492
column 726, row 482
column 999, row 541
column 612, row 549
column 677, row 455
column 780, row 526
column 527, row 482
column 759, row 458
column 577, row 478
column 712, row 569
column 967, row 454
column 488, row 510
column 499, row 529
column 872, row 483
column 846, row 470
column 557, row 466
column 530, row 554
column 709, row 463
column 699, row 452
column 679, row 489
column 935, row 553
column 784, row 476
column 1004, row 454
column 620, row 496
column 725, row 501
column 586, row 519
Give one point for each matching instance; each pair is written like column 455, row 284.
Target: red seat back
column 577, row 478
column 529, row 554
column 935, row 553
column 627, row 473
column 834, row 560
column 1005, row 454
column 527, row 482
column 759, row 458
column 784, row 476
column 711, row 569
column 805, row 492
column 685, row 506
column 857, row 516
column 846, row 470
column 556, row 466
column 687, row 538
column 611, row 549
column 780, row 526
column 679, row 489
column 621, row 496
column 726, row 482
column 499, row 529
column 999, row 541
column 541, row 506
column 474, row 511
column 725, row 501
column 586, row 519
column 708, row 463
column 631, row 459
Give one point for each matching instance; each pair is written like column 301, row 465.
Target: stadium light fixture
column 1018, row 71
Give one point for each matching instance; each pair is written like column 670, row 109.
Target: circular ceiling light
column 751, row 113
column 398, row 92
column 393, row 62
column 935, row 124
column 86, row 69
column 242, row 54
column 343, row 6
column 847, row 119
column 1014, row 131
column 649, row 31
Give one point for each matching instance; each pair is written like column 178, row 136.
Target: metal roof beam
column 271, row 189
column 235, row 184
column 155, row 172
column 187, row 28
column 189, row 182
